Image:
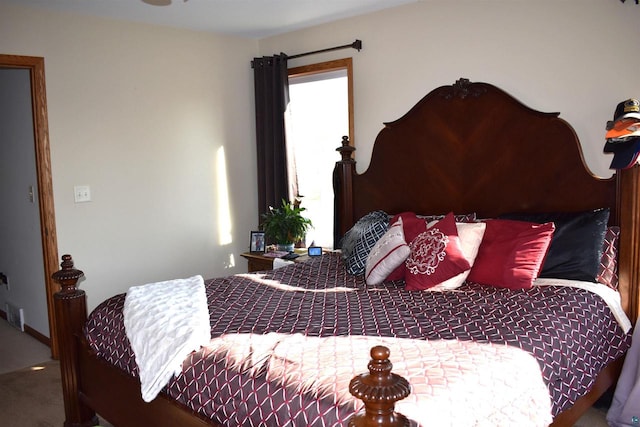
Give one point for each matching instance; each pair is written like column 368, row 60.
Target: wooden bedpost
column 71, row 314
column 343, row 191
column 379, row 390
column 629, row 256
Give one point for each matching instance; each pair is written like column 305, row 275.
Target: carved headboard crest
column 461, row 89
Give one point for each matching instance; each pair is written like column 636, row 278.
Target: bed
column 468, row 148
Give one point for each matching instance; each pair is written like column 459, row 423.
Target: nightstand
column 257, row 261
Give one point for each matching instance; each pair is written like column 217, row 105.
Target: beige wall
column 142, row 114
column 572, row 56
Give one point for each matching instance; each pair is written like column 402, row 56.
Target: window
column 319, row 114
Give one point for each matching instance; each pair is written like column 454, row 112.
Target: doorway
column 35, row 67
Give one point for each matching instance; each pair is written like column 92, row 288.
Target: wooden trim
column 37, row 335
column 45, row 184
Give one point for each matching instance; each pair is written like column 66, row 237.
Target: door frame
column 35, row 65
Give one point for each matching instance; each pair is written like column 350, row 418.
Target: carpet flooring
column 30, row 382
column 32, row 397
column 20, row 350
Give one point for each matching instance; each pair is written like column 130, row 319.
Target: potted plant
column 285, row 225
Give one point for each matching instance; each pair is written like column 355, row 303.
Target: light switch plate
column 82, row 193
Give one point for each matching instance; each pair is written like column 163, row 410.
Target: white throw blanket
column 165, row 321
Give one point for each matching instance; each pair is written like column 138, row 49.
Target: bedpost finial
column 67, row 262
column 379, row 390
column 346, row 149
column 67, row 276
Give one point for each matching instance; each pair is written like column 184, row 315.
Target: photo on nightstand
column 257, row 241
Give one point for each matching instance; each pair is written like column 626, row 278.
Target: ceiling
column 254, row 19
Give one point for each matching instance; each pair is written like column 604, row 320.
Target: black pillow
column 361, row 238
column 576, row 245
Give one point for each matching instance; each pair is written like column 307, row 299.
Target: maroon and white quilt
column 267, row 327
column 453, row 383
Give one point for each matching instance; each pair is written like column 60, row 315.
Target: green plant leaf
column 285, row 224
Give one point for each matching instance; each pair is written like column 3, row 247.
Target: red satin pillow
column 511, row 253
column 436, row 256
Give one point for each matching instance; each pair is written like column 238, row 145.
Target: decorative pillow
column 388, row 253
column 412, row 226
column 436, row 256
column 608, row 273
column 511, row 253
column 359, row 240
column 576, row 246
column 470, row 239
column 415, row 224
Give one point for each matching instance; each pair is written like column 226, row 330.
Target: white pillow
column 470, row 235
column 389, row 252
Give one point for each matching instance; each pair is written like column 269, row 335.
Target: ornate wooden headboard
column 471, row 147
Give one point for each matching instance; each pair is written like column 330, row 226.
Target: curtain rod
column 355, row 45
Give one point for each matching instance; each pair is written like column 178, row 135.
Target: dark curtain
column 271, row 98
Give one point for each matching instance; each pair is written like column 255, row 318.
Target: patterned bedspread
column 570, row 332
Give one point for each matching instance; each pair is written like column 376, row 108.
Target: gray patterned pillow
column 360, row 239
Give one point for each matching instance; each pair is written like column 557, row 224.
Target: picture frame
column 257, row 241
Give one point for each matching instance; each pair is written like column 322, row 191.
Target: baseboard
column 37, row 335
column 30, row 331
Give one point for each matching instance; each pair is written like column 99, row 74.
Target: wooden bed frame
column 468, row 147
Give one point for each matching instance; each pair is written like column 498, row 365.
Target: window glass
column 317, row 118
